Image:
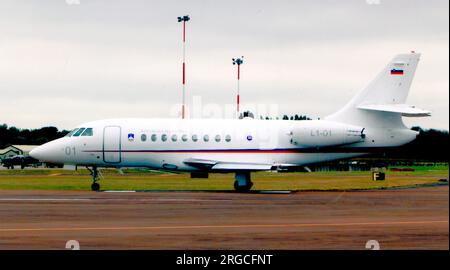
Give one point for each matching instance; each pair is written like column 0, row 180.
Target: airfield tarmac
column 415, row 218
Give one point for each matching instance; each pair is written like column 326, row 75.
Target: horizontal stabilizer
column 404, row 109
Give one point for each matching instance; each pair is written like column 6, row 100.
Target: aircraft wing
column 404, row 109
column 214, row 165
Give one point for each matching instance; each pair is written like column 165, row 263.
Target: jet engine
column 324, row 133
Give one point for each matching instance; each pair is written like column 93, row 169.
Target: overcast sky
column 65, row 62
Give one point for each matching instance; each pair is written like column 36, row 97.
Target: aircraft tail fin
column 381, row 103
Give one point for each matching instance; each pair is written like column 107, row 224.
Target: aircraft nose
column 37, row 153
column 48, row 152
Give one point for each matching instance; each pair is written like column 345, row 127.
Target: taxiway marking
column 110, row 199
column 43, row 199
column 236, row 226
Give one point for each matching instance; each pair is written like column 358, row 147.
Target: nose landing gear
column 96, row 175
column 95, row 186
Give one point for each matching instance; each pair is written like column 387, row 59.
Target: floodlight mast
column 184, row 19
column 238, row 62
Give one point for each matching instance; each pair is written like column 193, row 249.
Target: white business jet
column 370, row 121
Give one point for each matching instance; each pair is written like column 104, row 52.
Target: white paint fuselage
column 252, row 141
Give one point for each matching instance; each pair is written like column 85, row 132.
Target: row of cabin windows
column 81, row 132
column 184, row 138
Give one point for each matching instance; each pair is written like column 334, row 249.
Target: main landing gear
column 95, row 177
column 242, row 182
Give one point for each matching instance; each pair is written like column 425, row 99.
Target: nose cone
column 36, row 153
column 49, row 152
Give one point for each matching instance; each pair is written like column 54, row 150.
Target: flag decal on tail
column 396, row 71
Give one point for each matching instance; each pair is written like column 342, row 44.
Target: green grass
column 425, row 168
column 142, row 179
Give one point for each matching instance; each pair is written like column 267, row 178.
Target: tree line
column 13, row 135
column 295, row 117
column 430, row 145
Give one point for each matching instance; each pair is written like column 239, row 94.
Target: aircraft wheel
column 245, row 188
column 236, row 185
column 95, row 187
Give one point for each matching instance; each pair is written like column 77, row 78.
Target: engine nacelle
column 319, row 133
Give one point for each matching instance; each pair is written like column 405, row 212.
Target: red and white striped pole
column 184, row 71
column 238, row 77
column 184, row 19
column 238, row 62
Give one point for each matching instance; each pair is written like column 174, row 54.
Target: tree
column 13, row 135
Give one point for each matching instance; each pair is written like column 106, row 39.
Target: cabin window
column 228, row 138
column 76, row 134
column 71, row 133
column 143, row 137
column 174, row 137
column 154, row 137
column 88, row 132
column 164, row 137
column 194, row 138
column 206, row 138
column 184, row 138
column 217, row 138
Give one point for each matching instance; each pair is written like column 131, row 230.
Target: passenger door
column 112, row 144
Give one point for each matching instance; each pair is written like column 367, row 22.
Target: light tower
column 238, row 62
column 184, row 19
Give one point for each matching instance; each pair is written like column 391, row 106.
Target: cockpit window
column 71, row 133
column 76, row 134
column 88, row 132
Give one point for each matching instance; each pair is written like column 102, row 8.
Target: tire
column 245, row 188
column 95, row 187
